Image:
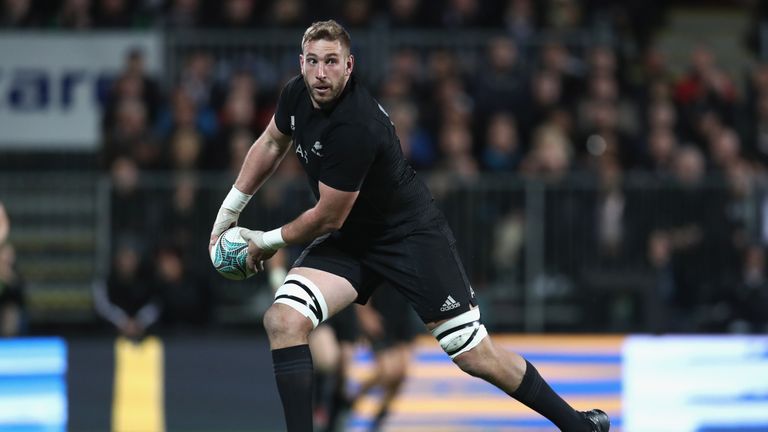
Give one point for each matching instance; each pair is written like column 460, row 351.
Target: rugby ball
column 228, row 255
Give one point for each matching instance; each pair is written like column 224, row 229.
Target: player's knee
column 283, row 322
column 303, row 296
column 472, row 362
column 390, row 377
column 393, row 378
column 461, row 334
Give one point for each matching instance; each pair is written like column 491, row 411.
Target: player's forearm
column 262, row 160
column 310, row 225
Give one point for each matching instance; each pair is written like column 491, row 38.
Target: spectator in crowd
column 239, row 111
column 545, row 96
column 133, row 82
column 129, row 136
column 456, row 151
column 18, row 14
column 357, row 13
column 661, row 149
column 12, row 299
column 405, row 14
column 756, row 144
column 183, row 14
column 502, row 151
column 550, row 156
column 662, row 115
column 197, row 78
column 502, row 85
column 519, row 19
column 563, row 15
column 234, row 14
column 288, row 13
column 724, row 150
column 185, row 151
column 5, row 224
column 678, row 245
column 112, row 14
column 240, row 141
column 749, row 301
column 555, row 57
column 185, row 293
column 127, row 298
column 704, row 88
column 460, row 14
column 74, row 15
column 133, row 211
column 416, row 143
column 184, row 113
column 182, row 211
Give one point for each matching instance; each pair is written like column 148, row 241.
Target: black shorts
column 397, row 318
column 344, row 325
column 423, row 265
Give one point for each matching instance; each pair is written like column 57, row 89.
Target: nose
column 320, row 70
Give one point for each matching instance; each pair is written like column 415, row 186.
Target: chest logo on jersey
column 302, row 154
column 317, row 148
column 293, row 123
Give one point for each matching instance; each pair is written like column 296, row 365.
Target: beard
column 328, row 96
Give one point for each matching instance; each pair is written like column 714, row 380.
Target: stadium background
column 589, row 155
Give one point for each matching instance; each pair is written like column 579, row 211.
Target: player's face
column 326, row 67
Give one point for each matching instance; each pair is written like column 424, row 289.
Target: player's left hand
column 258, row 251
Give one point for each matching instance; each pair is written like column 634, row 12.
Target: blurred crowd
column 674, row 163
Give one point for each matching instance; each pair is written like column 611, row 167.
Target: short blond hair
column 328, row 30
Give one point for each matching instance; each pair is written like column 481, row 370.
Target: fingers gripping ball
column 229, row 253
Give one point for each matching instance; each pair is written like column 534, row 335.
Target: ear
column 301, row 63
column 350, row 65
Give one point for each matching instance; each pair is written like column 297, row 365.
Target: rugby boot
column 598, row 420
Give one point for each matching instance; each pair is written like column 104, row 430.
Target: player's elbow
column 328, row 220
column 332, row 224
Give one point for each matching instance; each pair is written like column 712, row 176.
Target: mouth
column 322, row 89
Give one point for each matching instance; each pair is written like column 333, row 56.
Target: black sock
column 293, row 373
column 321, row 388
column 535, row 393
column 338, row 407
column 378, row 421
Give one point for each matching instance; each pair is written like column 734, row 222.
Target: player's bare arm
column 326, row 216
column 262, row 159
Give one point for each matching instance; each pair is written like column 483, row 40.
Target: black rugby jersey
column 352, row 146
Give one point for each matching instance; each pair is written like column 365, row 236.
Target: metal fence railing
column 274, row 54
column 569, row 255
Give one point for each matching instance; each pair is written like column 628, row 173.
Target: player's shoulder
column 293, row 88
column 359, row 110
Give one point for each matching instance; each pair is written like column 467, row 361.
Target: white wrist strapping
column 236, row 200
column 273, row 239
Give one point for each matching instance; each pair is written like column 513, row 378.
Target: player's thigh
column 437, row 285
column 337, row 291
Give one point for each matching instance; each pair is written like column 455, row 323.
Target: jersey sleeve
column 288, row 98
column 347, row 154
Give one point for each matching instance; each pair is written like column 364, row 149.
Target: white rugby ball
column 229, row 253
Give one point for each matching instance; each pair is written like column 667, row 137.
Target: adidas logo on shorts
column 449, row 304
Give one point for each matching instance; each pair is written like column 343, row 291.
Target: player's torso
column 308, row 126
column 390, row 193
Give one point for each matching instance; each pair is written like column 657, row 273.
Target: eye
column 312, row 61
column 331, row 61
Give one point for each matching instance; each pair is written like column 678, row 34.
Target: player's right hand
column 229, row 211
column 225, row 219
